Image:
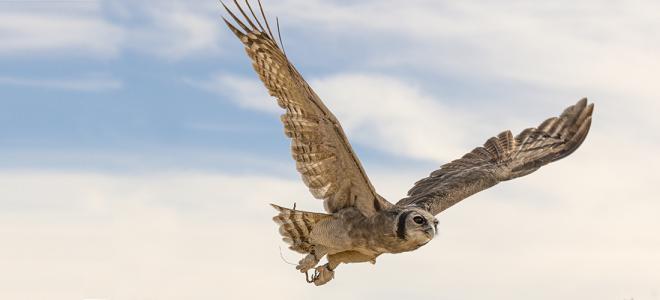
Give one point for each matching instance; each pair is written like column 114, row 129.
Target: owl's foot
column 312, row 259
column 307, row 263
column 322, row 275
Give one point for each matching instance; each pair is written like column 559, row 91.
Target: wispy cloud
column 395, row 116
column 176, row 32
column 244, row 92
column 167, row 29
column 83, row 84
column 586, row 49
column 385, row 113
column 50, row 34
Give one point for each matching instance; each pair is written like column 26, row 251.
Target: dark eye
column 419, row 220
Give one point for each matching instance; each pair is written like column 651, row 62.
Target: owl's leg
column 326, row 272
column 311, row 259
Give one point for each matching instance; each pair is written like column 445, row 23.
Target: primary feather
column 503, row 157
column 323, row 155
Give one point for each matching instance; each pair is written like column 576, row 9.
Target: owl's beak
column 430, row 232
column 431, row 229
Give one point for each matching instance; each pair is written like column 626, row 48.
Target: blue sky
column 122, row 95
column 138, row 150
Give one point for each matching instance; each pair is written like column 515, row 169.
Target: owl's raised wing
column 323, row 155
column 503, row 157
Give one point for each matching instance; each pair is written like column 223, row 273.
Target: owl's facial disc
column 428, row 226
column 416, row 224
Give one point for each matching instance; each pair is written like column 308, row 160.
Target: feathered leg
column 326, row 272
column 311, row 259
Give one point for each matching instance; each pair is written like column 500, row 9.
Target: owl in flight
column 359, row 224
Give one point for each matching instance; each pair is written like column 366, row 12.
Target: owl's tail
column 295, row 227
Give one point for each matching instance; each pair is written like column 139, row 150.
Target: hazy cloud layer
column 200, row 235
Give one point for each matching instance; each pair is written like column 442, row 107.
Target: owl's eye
column 418, row 220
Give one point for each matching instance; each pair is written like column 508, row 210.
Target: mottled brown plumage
column 360, row 224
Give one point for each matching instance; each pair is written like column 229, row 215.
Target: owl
column 359, row 224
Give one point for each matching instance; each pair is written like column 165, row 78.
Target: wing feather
column 502, row 158
column 321, row 150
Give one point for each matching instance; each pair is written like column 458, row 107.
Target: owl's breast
column 351, row 231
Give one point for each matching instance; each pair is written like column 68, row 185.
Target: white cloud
column 85, row 84
column 72, row 235
column 168, row 29
column 29, row 33
column 382, row 112
column 559, row 49
column 608, row 50
column 244, row 92
column 176, row 32
column 394, row 116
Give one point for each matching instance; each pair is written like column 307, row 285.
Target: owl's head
column 416, row 224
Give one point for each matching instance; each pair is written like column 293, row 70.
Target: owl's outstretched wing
column 503, row 157
column 323, row 155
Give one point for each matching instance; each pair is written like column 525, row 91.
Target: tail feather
column 296, row 226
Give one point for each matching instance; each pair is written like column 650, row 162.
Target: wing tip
column 238, row 21
column 590, row 108
column 584, row 104
column 253, row 25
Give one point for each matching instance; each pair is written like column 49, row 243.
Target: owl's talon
column 314, row 276
column 321, row 276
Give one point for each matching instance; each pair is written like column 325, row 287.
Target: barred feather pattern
column 502, row 158
column 319, row 146
column 296, row 227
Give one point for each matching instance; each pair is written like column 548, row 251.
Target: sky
column 139, row 151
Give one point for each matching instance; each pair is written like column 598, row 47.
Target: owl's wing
column 323, row 155
column 503, row 157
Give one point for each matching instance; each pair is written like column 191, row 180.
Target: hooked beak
column 431, row 231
